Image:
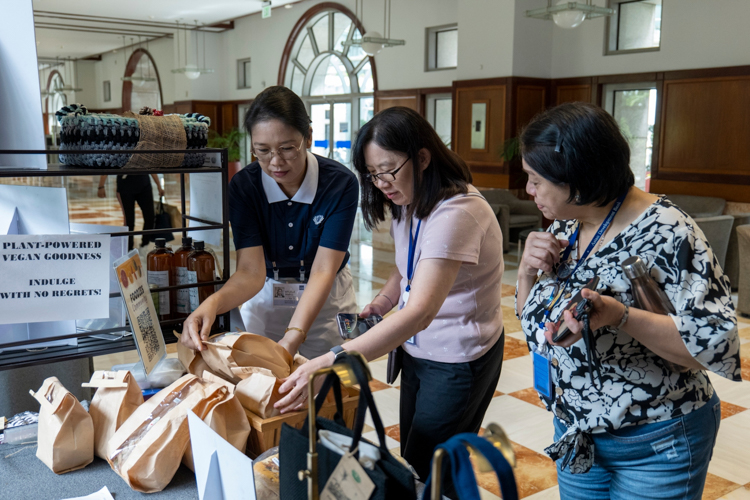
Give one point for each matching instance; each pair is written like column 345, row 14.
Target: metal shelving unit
column 87, row 344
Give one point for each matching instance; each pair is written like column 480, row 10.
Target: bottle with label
column 201, row 269
column 159, row 269
column 182, row 309
column 648, row 296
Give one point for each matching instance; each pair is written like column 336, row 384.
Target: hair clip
column 558, row 144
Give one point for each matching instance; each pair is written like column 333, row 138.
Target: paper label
column 161, row 278
column 183, row 295
column 349, row 481
column 192, row 277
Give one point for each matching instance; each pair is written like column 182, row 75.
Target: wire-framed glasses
column 385, row 176
column 286, row 153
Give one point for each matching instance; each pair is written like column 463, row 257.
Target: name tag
column 542, row 374
column 287, row 294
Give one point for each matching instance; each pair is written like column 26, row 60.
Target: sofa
column 511, row 212
column 699, row 206
column 717, row 230
column 743, row 294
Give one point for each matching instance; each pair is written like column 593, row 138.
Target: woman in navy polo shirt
column 292, row 216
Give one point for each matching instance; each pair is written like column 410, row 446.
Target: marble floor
column 515, row 405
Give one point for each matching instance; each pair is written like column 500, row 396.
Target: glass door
column 320, row 114
column 332, row 130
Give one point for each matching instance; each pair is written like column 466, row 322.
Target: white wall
column 485, row 38
column 695, row 34
column 532, row 43
column 209, row 86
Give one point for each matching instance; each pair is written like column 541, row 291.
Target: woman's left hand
column 605, row 311
column 296, row 384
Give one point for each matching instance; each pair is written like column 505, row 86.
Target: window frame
column 611, row 33
column 241, row 73
column 430, row 50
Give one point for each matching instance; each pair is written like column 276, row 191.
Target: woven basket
column 81, row 130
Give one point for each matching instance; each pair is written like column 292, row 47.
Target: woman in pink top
column 446, row 284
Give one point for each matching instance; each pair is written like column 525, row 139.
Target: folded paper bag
column 259, row 391
column 227, row 354
column 66, row 431
column 147, row 449
column 227, row 419
column 117, row 397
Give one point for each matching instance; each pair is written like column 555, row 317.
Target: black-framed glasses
column 286, row 153
column 385, row 176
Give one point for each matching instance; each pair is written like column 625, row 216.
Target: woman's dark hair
column 403, row 130
column 278, row 103
column 580, row 145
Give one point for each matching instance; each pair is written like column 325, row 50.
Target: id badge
column 542, row 374
column 404, row 300
column 287, row 294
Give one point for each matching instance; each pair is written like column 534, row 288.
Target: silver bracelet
column 389, row 300
column 624, row 317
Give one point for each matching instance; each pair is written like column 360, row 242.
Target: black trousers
column 145, row 200
column 440, row 400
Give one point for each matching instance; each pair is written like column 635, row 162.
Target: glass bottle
column 201, row 269
column 182, row 302
column 159, row 267
column 648, row 296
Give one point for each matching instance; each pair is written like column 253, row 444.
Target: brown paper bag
column 117, row 397
column 66, row 432
column 227, row 418
column 227, row 354
column 259, row 392
column 146, row 450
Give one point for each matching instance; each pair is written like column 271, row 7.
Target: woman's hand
column 197, row 327
column 605, row 311
column 101, row 192
column 542, row 251
column 377, row 306
column 161, row 191
column 296, row 384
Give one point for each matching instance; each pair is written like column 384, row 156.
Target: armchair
column 732, row 264
column 743, row 295
column 717, row 230
column 511, row 212
column 698, row 206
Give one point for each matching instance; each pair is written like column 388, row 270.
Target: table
column 522, row 236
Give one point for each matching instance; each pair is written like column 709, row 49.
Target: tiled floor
column 515, row 406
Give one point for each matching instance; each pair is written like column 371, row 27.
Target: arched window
column 335, row 80
column 55, row 100
column 145, row 88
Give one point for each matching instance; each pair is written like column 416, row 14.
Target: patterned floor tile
column 732, row 453
column 508, row 290
column 530, row 396
column 514, row 348
column 524, row 423
column 744, row 333
column 728, row 409
column 534, row 473
column 390, row 443
column 738, row 494
column 394, row 432
column 516, row 375
column 377, row 385
column 510, row 322
column 716, row 487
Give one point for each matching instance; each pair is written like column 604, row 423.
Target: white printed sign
column 53, row 277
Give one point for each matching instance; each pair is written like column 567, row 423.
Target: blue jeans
column 663, row 460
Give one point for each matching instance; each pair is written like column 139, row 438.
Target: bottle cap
column 187, row 241
column 160, row 243
column 634, row 267
column 198, row 245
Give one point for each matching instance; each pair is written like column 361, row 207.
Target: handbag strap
column 331, row 380
column 464, row 480
column 366, row 401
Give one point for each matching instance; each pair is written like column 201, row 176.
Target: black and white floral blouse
column 635, row 386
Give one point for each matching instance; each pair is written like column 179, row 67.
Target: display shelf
column 13, row 357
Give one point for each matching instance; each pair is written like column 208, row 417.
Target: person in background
column 132, row 189
column 626, row 425
column 292, row 216
column 446, row 287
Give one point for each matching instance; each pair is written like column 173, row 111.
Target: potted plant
column 231, row 140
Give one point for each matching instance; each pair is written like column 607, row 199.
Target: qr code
column 150, row 340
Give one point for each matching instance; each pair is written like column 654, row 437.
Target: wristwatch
column 338, row 352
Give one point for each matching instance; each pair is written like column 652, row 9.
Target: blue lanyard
column 412, row 251
column 602, row 229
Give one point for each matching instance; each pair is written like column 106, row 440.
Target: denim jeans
column 662, row 460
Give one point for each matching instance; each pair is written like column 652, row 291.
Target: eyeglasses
column 287, row 153
column 385, row 176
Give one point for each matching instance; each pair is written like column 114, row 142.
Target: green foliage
column 232, row 140
column 510, row 149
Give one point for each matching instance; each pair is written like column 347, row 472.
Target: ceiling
column 82, row 28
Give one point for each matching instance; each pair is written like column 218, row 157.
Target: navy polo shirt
column 321, row 213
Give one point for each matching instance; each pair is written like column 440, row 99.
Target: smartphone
column 577, row 306
column 352, row 326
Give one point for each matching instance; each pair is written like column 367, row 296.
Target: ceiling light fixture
column 192, row 71
column 569, row 15
column 373, row 42
column 138, row 79
column 68, row 88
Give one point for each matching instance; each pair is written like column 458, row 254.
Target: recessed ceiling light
column 150, row 17
column 288, row 6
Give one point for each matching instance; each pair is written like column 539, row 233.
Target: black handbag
column 162, row 220
column 395, row 361
column 393, row 481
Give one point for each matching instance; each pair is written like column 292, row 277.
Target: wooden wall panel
column 409, row 98
column 573, row 93
column 705, row 126
column 489, row 159
column 229, row 118
column 209, row 109
column 530, row 100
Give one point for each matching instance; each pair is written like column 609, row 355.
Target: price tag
column 349, row 481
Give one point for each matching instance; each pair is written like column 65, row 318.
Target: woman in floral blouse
column 626, row 424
